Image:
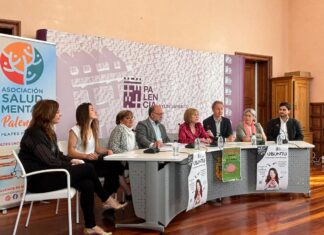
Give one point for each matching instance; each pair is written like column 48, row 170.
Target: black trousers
column 110, row 170
column 83, row 177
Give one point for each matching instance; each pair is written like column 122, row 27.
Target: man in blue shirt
column 151, row 133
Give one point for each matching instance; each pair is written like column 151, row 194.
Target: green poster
column 231, row 164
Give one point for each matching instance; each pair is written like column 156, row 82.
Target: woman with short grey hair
column 249, row 127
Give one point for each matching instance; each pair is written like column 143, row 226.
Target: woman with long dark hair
column 272, row 180
column 39, row 151
column 198, row 192
column 84, row 144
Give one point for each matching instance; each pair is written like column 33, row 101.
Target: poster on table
column 228, row 165
column 27, row 74
column 197, row 181
column 117, row 74
column 231, row 164
column 272, row 167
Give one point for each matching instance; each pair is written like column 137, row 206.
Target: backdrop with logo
column 117, row 74
column 27, row 74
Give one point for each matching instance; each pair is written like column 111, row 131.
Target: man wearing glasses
column 150, row 133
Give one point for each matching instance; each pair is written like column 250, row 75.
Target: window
column 11, row 27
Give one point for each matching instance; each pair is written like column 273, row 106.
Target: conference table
column 159, row 181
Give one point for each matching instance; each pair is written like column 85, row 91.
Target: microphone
column 133, row 130
column 152, row 150
column 285, row 140
column 190, row 146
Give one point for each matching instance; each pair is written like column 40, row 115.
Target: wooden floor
column 252, row 214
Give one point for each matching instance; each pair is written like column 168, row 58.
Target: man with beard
column 287, row 127
column 151, row 133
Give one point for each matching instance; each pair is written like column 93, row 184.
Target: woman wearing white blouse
column 84, row 144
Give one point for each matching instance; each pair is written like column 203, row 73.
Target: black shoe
column 109, row 215
column 219, row 199
column 128, row 197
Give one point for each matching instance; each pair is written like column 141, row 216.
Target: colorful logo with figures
column 21, row 63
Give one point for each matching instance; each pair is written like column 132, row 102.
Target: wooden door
column 249, row 85
column 262, row 89
column 261, row 100
column 263, row 93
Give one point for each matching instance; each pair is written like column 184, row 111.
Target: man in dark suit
column 216, row 125
column 150, row 133
column 287, row 127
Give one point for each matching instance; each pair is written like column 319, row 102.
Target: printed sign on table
column 228, row 165
column 231, row 164
column 272, row 167
column 197, row 181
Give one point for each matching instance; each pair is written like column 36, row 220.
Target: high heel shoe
column 95, row 231
column 112, row 203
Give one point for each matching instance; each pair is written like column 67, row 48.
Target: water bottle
column 279, row 140
column 197, row 143
column 253, row 140
column 220, row 142
column 175, row 149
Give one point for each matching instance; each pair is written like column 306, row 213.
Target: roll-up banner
column 27, row 74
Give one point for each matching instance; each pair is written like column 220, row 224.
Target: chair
column 68, row 193
column 63, row 146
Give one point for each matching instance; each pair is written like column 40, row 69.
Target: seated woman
column 122, row 138
column 39, row 151
column 192, row 128
column 248, row 127
column 84, row 144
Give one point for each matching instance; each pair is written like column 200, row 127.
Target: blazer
column 240, row 133
column 293, row 128
column 118, row 140
column 145, row 134
column 186, row 136
column 225, row 127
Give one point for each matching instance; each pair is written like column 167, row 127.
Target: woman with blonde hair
column 249, row 127
column 192, row 129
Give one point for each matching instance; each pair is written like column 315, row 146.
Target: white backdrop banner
column 116, row 74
